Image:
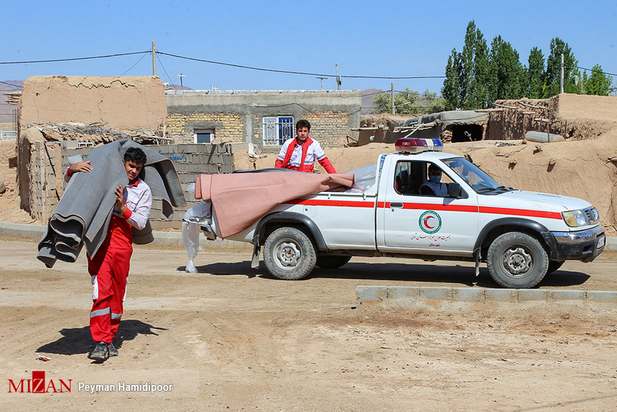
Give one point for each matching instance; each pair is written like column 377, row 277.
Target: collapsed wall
column 572, row 116
column 449, row 126
column 49, row 106
column 42, row 177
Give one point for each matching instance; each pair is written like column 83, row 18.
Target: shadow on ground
column 454, row 274
column 78, row 340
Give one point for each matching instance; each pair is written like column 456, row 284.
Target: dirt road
column 231, row 338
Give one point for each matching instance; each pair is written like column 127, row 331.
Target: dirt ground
column 232, row 338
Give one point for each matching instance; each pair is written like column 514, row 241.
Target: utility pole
column 153, row 59
column 392, row 97
column 181, row 76
column 338, row 78
column 322, row 79
column 562, row 67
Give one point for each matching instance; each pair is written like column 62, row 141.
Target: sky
column 356, row 38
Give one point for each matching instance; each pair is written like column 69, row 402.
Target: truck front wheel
column 517, row 260
column 289, row 254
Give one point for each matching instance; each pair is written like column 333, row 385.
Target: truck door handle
column 396, row 205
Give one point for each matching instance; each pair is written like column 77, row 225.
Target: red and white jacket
column 302, row 157
column 138, row 202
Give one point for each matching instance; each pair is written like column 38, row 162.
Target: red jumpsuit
column 109, row 268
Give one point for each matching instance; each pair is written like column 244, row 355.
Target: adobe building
column 264, row 118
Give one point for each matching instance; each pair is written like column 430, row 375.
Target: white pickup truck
column 521, row 235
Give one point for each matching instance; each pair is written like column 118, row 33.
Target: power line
column 9, row 84
column 76, row 58
column 140, row 59
column 295, row 72
column 165, row 70
column 610, row 74
column 395, row 77
column 242, row 66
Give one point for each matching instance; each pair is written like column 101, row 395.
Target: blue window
column 276, row 130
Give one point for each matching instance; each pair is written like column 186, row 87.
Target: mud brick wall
column 49, row 161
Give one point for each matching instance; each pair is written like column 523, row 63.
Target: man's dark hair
column 303, row 123
column 136, row 155
column 433, row 167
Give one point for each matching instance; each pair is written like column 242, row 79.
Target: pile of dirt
column 584, row 169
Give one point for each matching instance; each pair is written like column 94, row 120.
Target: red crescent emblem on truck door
column 433, row 226
column 426, row 222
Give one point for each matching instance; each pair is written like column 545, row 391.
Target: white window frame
column 277, row 129
column 197, row 132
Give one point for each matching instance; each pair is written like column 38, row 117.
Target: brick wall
column 329, row 128
column 228, row 127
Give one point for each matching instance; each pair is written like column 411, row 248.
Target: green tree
column 404, row 101
column 474, row 70
column 409, row 102
column 552, row 75
column 482, row 71
column 507, row 72
column 466, row 73
column 434, row 103
column 598, row 83
column 451, row 90
column 535, row 73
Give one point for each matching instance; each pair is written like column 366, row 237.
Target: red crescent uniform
column 302, row 157
column 109, row 268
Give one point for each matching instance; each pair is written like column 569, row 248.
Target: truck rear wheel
column 289, row 254
column 517, row 260
column 332, row 261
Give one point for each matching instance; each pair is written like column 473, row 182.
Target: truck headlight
column 575, row 218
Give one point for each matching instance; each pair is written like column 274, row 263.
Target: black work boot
column 112, row 350
column 101, row 352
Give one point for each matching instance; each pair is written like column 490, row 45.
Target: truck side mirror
column 454, row 190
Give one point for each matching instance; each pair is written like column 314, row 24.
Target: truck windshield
column 473, row 175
